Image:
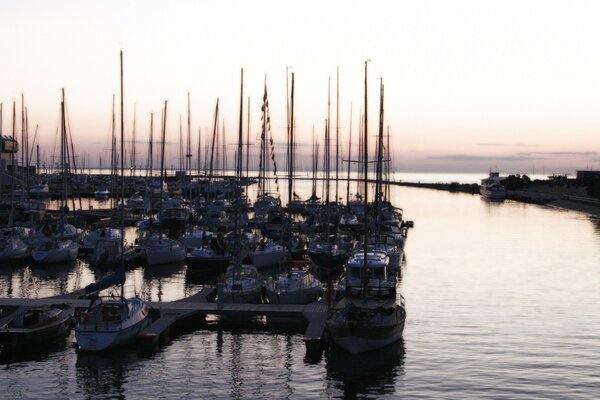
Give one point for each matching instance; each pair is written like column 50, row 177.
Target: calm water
column 502, row 299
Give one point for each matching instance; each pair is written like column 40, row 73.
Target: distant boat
column 40, row 190
column 102, row 194
column 491, row 187
column 36, row 325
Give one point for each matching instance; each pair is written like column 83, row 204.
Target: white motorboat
column 369, row 317
column 492, row 188
column 36, row 325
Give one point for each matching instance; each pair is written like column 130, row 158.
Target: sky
column 469, row 85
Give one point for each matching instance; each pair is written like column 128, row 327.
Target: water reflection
column 105, row 375
column 10, row 354
column 370, row 374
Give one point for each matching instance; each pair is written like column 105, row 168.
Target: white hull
column 13, row 249
column 99, row 336
column 493, row 195
column 270, row 255
column 363, row 329
column 66, row 252
column 357, row 345
column 165, row 252
column 300, row 296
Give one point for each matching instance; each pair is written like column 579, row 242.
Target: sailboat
column 296, row 285
column 370, row 316
column 242, row 283
column 112, row 321
column 62, row 245
column 158, row 249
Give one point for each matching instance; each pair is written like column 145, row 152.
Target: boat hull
column 56, row 255
column 101, row 336
column 361, row 335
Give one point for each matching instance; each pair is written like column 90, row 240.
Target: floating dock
column 197, row 306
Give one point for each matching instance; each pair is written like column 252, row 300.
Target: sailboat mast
column 122, row 166
column 188, row 154
column 62, row 154
column 247, row 146
column 238, row 176
column 379, row 165
column 337, row 133
column 290, row 166
column 366, row 163
column 214, row 137
column 349, row 157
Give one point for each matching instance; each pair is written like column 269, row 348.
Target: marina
column 267, row 200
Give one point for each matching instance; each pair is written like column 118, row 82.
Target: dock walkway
column 197, row 305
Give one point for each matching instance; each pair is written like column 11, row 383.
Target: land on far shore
column 559, row 193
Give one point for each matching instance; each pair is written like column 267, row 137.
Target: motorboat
column 369, row 316
column 492, row 188
column 36, row 325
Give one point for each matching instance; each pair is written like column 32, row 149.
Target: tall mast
column 188, row 154
column 132, row 172
column 122, row 166
column 214, row 136
column 290, row 166
column 379, row 165
column 150, row 150
column 23, row 148
column 247, row 146
column 180, row 144
column 366, row 163
column 238, row 174
column 337, row 133
column 349, row 157
column 63, row 135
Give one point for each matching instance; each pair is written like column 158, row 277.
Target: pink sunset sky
column 469, row 85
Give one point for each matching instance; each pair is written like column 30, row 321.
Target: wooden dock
column 196, row 308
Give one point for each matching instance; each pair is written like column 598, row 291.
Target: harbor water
column 502, row 301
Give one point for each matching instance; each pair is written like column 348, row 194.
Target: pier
column 195, row 308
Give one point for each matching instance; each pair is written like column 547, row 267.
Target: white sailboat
column 370, row 316
column 109, row 322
